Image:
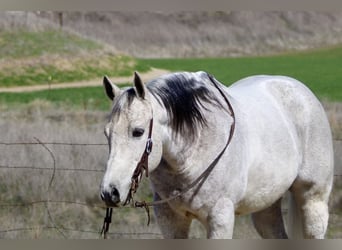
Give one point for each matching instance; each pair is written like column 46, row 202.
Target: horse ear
column 111, row 89
column 139, row 85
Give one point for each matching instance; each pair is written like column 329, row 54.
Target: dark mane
column 184, row 96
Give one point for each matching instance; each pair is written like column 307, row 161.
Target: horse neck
column 179, row 152
column 173, row 147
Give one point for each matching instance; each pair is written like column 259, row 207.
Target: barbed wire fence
column 52, row 224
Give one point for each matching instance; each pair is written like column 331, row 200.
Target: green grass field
column 90, row 98
column 32, row 58
column 318, row 69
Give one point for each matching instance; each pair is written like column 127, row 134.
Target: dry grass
column 42, row 120
column 23, row 185
column 334, row 113
column 192, row 34
column 206, row 34
column 52, row 56
column 143, row 35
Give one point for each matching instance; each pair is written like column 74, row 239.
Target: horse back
column 281, row 97
column 286, row 132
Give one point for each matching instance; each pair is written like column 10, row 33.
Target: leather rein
column 143, row 166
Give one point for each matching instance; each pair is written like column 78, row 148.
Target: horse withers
column 219, row 152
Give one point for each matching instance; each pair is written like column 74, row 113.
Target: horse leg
column 312, row 187
column 315, row 218
column 269, row 222
column 220, row 221
column 172, row 224
column 313, row 184
column 313, row 208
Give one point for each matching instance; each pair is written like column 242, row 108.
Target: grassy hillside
column 146, row 34
column 52, row 56
column 89, row 98
column 21, row 44
column 319, row 70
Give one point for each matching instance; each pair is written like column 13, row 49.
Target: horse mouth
column 110, row 200
column 112, row 204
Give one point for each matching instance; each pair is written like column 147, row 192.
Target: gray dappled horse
column 239, row 148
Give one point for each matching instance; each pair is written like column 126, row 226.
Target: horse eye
column 137, row 132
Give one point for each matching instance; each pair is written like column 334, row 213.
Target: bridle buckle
column 149, row 144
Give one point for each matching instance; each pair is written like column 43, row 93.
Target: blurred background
column 53, row 108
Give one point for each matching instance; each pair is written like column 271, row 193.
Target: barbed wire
column 25, row 143
column 61, row 230
column 71, row 143
column 32, row 203
column 79, row 203
column 79, row 230
column 52, row 143
column 67, row 169
column 50, row 168
column 45, row 202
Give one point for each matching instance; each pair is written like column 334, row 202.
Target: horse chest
column 189, row 203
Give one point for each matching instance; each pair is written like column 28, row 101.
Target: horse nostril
column 103, row 195
column 115, row 192
column 111, row 198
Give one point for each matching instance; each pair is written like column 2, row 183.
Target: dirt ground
column 153, row 73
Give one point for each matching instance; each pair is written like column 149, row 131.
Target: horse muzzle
column 111, row 197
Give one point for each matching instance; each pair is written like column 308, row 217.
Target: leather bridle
column 143, row 166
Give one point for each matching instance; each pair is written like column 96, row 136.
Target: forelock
column 123, row 102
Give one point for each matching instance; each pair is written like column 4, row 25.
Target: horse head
column 129, row 134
